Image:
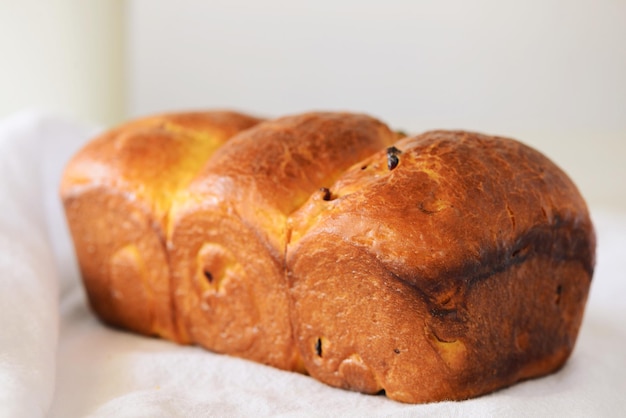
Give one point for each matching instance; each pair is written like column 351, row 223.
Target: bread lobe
column 462, row 254
column 117, row 193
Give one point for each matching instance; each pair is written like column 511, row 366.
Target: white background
column 551, row 73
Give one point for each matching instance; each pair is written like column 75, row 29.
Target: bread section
column 464, row 264
column 117, row 192
column 228, row 230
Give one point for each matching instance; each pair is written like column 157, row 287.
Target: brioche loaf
column 439, row 266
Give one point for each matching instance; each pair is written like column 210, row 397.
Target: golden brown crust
column 445, row 266
column 466, row 268
column 117, row 192
column 228, row 232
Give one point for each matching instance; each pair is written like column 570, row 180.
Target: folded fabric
column 58, row 360
column 28, row 274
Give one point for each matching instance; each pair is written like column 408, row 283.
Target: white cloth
column 57, row 360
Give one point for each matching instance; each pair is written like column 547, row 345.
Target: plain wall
column 63, row 57
column 550, row 73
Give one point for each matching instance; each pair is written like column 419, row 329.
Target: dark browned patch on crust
column 561, row 241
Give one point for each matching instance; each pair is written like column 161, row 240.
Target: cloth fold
column 58, row 360
column 28, row 273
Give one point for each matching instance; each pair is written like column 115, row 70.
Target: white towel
column 57, row 360
column 28, row 275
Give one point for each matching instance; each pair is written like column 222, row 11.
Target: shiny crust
column 229, row 229
column 440, row 266
column 466, row 268
column 117, row 193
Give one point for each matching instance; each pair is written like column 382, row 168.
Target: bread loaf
column 439, row 266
